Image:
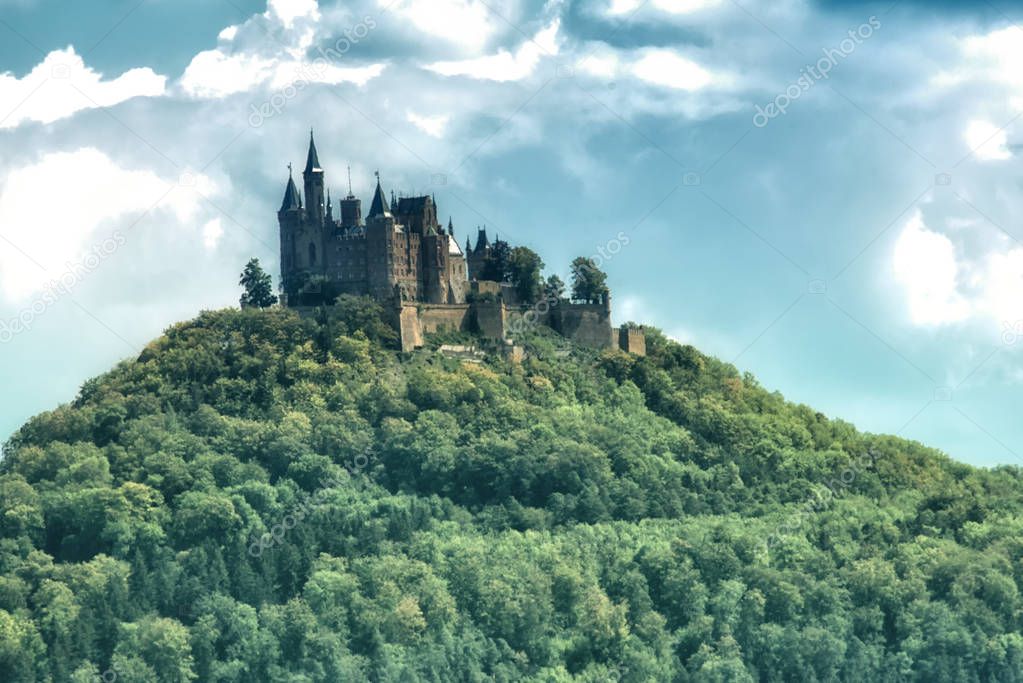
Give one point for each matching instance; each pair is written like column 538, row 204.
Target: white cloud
column 603, row 65
column 1003, row 287
column 465, row 23
column 997, row 55
column 288, row 11
column 295, row 73
column 277, row 59
column 926, row 266
column 943, row 285
column 669, row 69
column 505, row 66
column 431, row 125
column 619, row 7
column 215, row 74
column 93, row 190
column 986, row 141
column 212, row 231
column 62, row 85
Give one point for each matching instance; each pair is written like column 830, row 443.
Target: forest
column 260, row 496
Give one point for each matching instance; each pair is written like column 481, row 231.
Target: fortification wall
column 631, row 340
column 437, row 317
column 586, row 324
column 409, row 328
column 491, row 319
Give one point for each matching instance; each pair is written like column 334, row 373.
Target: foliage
column 554, row 288
column 258, row 286
column 524, row 272
column 497, row 266
column 266, row 497
column 589, row 283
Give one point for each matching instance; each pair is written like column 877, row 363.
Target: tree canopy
column 258, row 286
column 524, row 269
column 589, row 283
column 261, row 496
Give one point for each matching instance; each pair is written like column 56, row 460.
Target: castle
column 401, row 255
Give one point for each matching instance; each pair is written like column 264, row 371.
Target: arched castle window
column 312, row 254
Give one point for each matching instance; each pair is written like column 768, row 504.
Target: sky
column 825, row 194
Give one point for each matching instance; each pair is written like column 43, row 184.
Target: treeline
column 262, row 497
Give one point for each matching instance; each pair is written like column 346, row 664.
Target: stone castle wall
column 586, row 324
column 631, row 340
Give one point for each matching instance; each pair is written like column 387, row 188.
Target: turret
column 351, row 207
column 313, row 175
column 380, row 238
column 289, row 219
column 379, row 207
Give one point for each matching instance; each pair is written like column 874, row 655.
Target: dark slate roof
column 291, row 199
column 412, row 204
column 312, row 162
column 481, row 239
column 379, row 205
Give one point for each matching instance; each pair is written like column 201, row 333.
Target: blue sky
column 825, row 194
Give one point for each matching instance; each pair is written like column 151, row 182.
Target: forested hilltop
column 262, row 497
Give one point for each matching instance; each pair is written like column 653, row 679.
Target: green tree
column 258, row 286
column 163, row 644
column 525, row 266
column 498, row 263
column 554, row 288
column 589, row 283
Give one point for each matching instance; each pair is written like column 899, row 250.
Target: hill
column 262, row 497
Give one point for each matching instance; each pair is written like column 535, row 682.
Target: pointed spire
column 379, row 205
column 350, row 195
column 330, row 206
column 312, row 162
column 451, row 227
column 481, row 239
column 468, row 245
column 394, row 202
column 291, row 198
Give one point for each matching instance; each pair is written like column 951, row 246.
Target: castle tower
column 313, row 175
column 477, row 257
column 289, row 217
column 380, row 246
column 351, row 207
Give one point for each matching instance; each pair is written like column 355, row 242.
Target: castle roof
column 379, row 205
column 292, row 200
column 481, row 239
column 312, row 162
column 453, row 248
column 412, row 204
